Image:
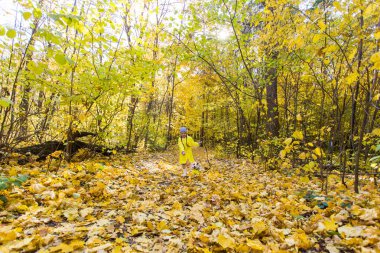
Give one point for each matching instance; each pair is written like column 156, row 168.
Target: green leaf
column 5, row 102
column 3, row 199
column 68, row 59
column 60, row 58
column 375, row 158
column 26, row 15
column 37, row 13
column 11, row 33
column 3, row 185
column 17, row 183
column 2, row 30
column 22, row 178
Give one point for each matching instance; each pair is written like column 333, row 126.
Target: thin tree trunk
column 273, row 124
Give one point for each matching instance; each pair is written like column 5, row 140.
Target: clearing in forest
column 140, row 203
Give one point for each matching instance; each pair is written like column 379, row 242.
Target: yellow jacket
column 186, row 144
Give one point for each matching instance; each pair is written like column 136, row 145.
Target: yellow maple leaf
column 329, row 225
column 204, row 238
column 226, row 241
column 259, row 227
column 7, row 235
column 302, row 240
column 162, row 226
column 149, row 225
column 77, row 244
column 63, row 247
column 255, row 244
column 177, row 206
column 117, row 249
column 12, row 171
column 120, row 219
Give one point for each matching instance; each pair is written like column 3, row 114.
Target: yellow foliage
column 255, row 244
column 375, row 59
column 226, row 241
column 288, row 141
column 298, row 135
column 6, row 234
column 376, row 131
column 162, row 226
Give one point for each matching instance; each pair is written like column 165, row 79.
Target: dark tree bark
column 273, row 123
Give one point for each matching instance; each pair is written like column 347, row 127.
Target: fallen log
column 43, row 150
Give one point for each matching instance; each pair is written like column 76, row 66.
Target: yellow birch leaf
column 302, row 156
column 299, row 117
column 282, row 154
column 377, row 35
column 322, row 25
column 376, row 131
column 288, row 141
column 351, row 78
column 317, row 37
column 371, row 10
column 375, row 59
column 376, row 97
column 337, row 6
column 318, row 152
column 298, row 135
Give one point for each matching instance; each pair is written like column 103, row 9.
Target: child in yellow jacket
column 185, row 144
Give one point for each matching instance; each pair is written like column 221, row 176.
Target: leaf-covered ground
column 142, row 204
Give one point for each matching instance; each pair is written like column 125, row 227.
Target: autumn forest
column 282, row 96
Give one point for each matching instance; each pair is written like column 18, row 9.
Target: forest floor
column 141, row 203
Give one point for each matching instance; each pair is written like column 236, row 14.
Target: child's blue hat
column 183, row 130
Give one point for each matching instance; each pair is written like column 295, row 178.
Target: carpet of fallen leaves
column 141, row 203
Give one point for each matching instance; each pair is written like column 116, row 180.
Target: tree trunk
column 273, row 124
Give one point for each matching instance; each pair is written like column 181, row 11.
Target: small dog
column 196, row 166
